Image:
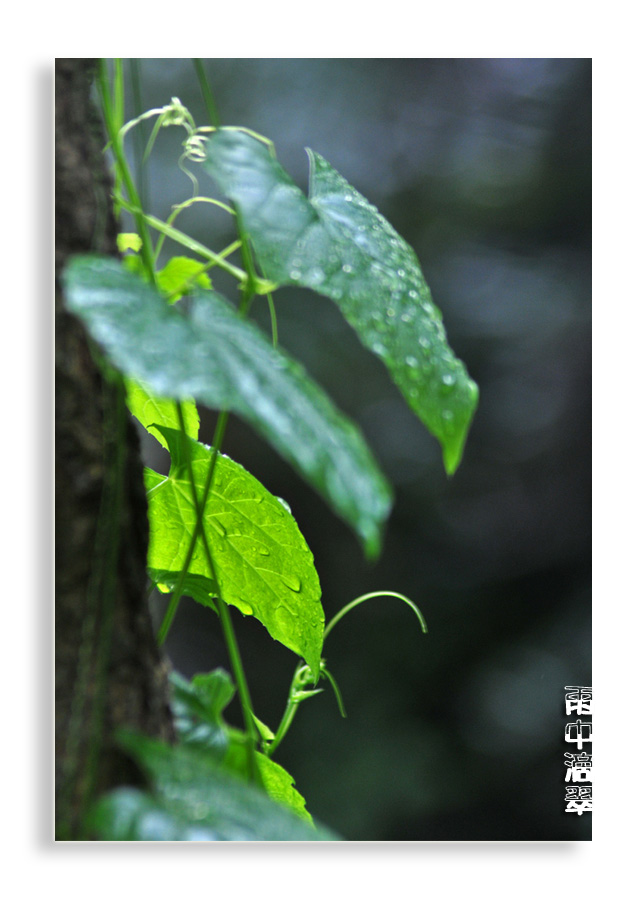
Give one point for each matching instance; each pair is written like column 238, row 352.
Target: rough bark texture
column 108, row 671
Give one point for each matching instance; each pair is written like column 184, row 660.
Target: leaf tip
column 453, row 446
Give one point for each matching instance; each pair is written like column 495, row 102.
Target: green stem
column 123, row 169
column 222, row 609
column 180, row 238
column 178, row 209
column 289, row 714
column 170, row 613
column 211, row 107
column 248, row 282
column 136, row 88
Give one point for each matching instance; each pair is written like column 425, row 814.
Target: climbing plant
column 217, row 535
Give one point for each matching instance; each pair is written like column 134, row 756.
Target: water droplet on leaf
column 219, row 528
column 292, row 582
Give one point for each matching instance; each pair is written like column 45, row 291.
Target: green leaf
column 197, row 707
column 127, row 241
column 193, row 799
column 211, row 354
column 128, row 814
column 265, row 733
column 278, row 783
column 180, row 275
column 263, row 564
column 150, row 410
column 338, row 244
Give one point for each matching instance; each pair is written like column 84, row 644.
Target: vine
column 217, row 534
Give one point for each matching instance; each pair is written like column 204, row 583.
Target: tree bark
column 108, row 671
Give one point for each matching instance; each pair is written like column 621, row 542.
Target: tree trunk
column 107, row 667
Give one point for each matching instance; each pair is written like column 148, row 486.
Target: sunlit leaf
column 263, row 564
column 127, row 241
column 180, row 275
column 149, row 409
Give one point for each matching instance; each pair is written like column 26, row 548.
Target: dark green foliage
column 215, row 532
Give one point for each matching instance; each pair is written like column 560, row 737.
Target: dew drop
column 219, row 528
column 447, row 383
column 292, row 582
column 295, row 274
column 424, row 342
column 412, row 361
column 390, row 312
column 448, row 421
column 263, row 551
column 316, row 275
column 346, row 268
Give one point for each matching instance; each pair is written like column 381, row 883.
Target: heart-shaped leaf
column 338, row 244
column 263, row 564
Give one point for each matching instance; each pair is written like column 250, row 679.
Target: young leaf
column 278, row 783
column 263, row 564
column 127, row 241
column 211, row 354
column 149, row 409
column 180, row 275
column 197, row 706
column 338, row 244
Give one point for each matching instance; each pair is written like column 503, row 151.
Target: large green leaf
column 211, row 354
column 338, row 244
column 197, row 706
column 193, row 799
column 263, row 564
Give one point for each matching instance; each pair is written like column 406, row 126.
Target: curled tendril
column 194, row 152
column 175, row 114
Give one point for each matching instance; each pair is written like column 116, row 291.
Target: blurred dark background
column 484, row 166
